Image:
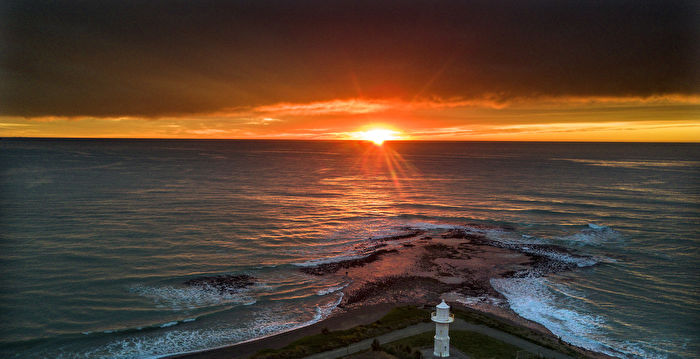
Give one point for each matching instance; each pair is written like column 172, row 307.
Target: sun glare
column 378, row 136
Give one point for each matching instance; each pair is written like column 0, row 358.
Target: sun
column 377, row 135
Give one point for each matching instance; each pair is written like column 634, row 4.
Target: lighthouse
column 442, row 318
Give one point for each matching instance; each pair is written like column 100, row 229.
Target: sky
column 554, row 70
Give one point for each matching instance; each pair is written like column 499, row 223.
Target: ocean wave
column 559, row 256
column 143, row 328
column 593, row 235
column 329, row 290
column 531, row 298
column 666, row 164
column 561, row 310
column 178, row 298
column 506, row 238
column 597, row 227
column 324, row 311
column 320, row 312
column 170, row 340
column 427, row 226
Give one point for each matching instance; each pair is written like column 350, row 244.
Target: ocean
column 98, row 236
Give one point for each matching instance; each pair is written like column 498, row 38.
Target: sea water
column 98, row 236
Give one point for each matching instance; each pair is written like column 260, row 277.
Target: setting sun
column 378, row 136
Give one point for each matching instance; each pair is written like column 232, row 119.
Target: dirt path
column 458, row 324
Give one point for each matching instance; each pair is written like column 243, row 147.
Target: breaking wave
column 333, row 289
column 178, row 341
column 192, row 297
column 593, row 235
column 532, row 298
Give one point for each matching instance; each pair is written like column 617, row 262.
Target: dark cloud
column 171, row 57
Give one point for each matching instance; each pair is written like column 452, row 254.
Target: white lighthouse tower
column 442, row 318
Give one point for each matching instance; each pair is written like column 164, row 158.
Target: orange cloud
column 668, row 117
column 368, row 106
column 350, row 106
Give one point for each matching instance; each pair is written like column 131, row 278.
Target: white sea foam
column 531, row 298
column 482, row 299
column 643, row 350
column 593, row 235
column 329, row 290
column 157, row 346
column 172, row 341
column 532, row 245
column 192, row 297
column 168, row 324
column 323, row 311
column 426, row 226
column 563, row 257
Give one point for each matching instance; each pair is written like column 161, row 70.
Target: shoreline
column 356, row 316
column 340, row 321
column 419, row 268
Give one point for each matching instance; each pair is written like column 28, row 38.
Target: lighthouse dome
column 443, row 305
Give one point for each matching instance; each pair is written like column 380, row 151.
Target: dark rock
column 409, row 234
column 327, row 268
column 478, row 239
column 477, row 288
column 400, row 289
column 438, row 248
column 455, row 233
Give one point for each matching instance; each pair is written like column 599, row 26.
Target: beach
column 340, row 321
column 419, row 268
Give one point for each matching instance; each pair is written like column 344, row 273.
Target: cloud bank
column 173, row 58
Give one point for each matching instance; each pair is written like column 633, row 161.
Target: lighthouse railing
column 434, row 315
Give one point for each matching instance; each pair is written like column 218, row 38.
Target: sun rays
column 382, row 161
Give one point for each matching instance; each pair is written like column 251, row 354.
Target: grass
column 399, row 317
column 406, row 348
column 488, row 320
column 475, row 345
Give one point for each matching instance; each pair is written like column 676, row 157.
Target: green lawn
column 473, row 344
column 397, row 318
column 488, row 320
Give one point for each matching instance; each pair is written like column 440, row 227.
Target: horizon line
column 319, row 140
